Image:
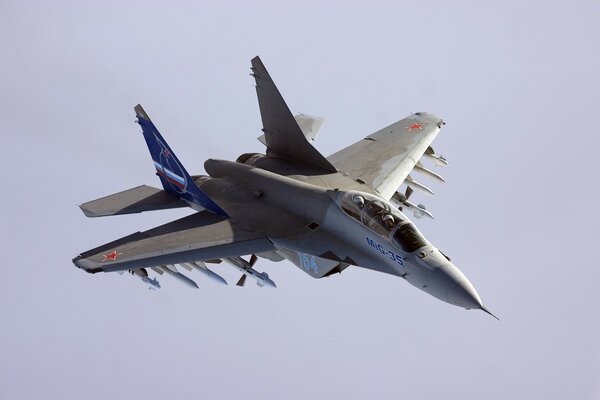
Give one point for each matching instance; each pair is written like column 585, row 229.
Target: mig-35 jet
column 323, row 214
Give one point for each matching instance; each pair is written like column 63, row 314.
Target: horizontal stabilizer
column 131, row 201
column 309, row 124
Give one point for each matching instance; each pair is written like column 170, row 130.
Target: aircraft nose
column 459, row 290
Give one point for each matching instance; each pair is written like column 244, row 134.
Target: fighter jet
column 324, row 214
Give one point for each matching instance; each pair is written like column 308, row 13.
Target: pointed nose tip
column 485, row 310
column 460, row 291
column 466, row 296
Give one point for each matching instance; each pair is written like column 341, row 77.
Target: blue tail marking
column 173, row 176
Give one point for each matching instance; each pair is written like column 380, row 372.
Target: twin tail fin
column 173, row 176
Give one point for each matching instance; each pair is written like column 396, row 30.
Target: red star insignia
column 111, row 256
column 416, row 125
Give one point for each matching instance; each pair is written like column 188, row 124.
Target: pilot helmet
column 388, row 219
column 358, row 199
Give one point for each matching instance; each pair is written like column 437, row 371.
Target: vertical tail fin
column 283, row 135
column 173, row 176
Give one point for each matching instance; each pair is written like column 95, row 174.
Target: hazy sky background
column 516, row 82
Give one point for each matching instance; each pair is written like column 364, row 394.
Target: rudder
column 173, row 176
column 283, row 135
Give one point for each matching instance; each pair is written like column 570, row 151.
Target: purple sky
column 517, row 84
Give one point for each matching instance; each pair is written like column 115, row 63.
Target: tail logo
column 169, row 169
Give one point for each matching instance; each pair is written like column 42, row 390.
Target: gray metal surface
column 201, row 236
column 138, row 199
column 283, row 135
column 292, row 204
column 385, row 158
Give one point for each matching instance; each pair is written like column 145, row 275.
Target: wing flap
column 384, row 159
column 201, row 236
column 131, row 201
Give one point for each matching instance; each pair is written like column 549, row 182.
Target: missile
column 416, row 185
column 200, row 266
column 158, row 270
column 171, row 270
column 245, row 267
column 420, row 168
column 438, row 159
column 418, row 210
column 152, row 283
column 143, row 275
column 187, row 266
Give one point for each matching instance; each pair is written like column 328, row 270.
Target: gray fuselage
column 338, row 228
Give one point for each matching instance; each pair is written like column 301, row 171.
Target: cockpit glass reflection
column 383, row 219
column 409, row 238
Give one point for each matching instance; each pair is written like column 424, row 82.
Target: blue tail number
column 173, row 176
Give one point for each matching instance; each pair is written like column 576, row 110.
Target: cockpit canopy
column 383, row 219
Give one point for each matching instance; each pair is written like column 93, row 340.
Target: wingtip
column 87, row 212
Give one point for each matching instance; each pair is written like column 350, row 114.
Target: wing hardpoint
column 198, row 237
column 384, row 159
column 283, row 135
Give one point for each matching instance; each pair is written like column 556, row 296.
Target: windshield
column 377, row 217
column 409, row 238
column 382, row 218
column 352, row 204
column 374, row 213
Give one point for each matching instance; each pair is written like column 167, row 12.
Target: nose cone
column 446, row 282
column 449, row 284
column 459, row 291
